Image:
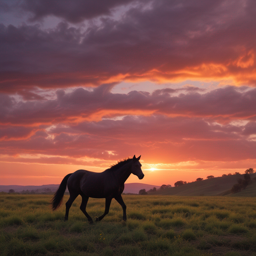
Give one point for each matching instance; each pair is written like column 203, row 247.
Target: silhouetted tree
column 237, row 173
column 199, row 179
column 230, row 174
column 224, row 175
column 152, row 190
column 249, row 171
column 11, row 191
column 247, row 176
column 179, row 183
column 247, row 180
column 241, row 183
column 143, row 192
column 163, row 187
column 210, row 177
column 236, row 188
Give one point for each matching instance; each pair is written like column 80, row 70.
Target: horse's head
column 136, row 167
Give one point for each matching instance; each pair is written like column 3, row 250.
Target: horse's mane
column 119, row 164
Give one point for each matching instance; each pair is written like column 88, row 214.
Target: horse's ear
column 134, row 157
column 138, row 158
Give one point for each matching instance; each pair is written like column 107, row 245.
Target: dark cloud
column 250, row 129
column 153, row 128
column 222, row 105
column 71, row 10
column 169, row 40
column 16, row 132
column 191, row 136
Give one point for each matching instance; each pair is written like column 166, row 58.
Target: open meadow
column 156, row 225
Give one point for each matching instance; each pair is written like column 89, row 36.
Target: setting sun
column 152, row 169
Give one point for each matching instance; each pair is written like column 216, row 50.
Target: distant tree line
column 242, row 183
column 154, row 189
column 36, row 191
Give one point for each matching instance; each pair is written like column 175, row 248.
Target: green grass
column 156, row 225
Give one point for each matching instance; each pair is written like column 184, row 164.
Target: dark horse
column 108, row 184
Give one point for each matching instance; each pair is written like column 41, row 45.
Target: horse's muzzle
column 141, row 176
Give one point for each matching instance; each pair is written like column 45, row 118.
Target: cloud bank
column 168, row 41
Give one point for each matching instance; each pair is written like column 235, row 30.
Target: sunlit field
column 156, row 225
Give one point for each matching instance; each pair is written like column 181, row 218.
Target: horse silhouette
column 108, row 184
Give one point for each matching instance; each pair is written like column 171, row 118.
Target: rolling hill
column 210, row 187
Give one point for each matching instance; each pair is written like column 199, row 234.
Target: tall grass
column 156, row 225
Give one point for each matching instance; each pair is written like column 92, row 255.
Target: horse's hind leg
column 83, row 208
column 71, row 199
column 119, row 199
column 107, row 205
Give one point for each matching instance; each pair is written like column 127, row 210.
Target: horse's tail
column 57, row 199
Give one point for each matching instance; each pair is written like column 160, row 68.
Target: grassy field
column 156, row 225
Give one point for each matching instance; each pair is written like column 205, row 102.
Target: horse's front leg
column 83, row 208
column 107, row 205
column 119, row 199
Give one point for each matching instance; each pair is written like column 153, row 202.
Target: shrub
column 149, row 227
column 237, row 229
column 167, row 223
column 132, row 224
column 161, row 210
column 14, row 220
column 30, row 218
column 181, row 209
column 251, row 224
column 237, row 218
column 77, row 227
column 28, row 234
column 188, row 235
column 242, row 244
column 170, row 234
column 128, row 250
column 16, row 247
column 236, row 188
column 143, row 192
column 138, row 235
column 178, row 222
column 203, row 245
column 157, row 245
column 221, row 214
column 137, row 216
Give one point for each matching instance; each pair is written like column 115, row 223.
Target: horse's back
column 75, row 179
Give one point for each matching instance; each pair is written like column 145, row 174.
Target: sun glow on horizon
column 152, row 169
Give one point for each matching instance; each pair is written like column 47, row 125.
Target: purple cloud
column 170, row 40
column 223, row 105
column 72, row 10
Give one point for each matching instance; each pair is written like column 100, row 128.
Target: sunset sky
column 84, row 84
